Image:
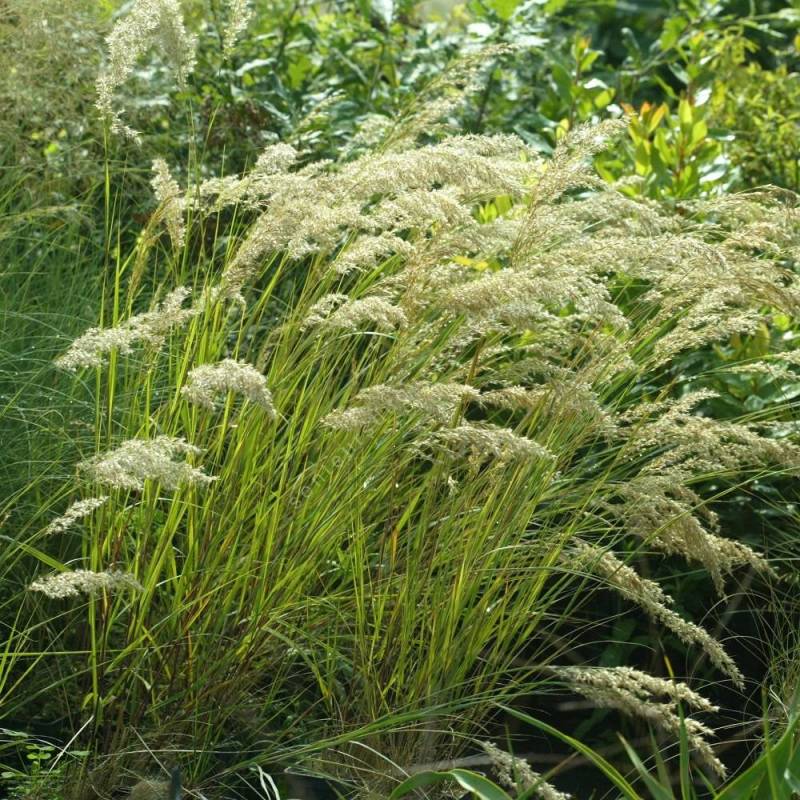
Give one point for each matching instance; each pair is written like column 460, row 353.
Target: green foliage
column 673, row 152
column 477, row 785
column 41, row 777
column 758, row 106
column 775, row 775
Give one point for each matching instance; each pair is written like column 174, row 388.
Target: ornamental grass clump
column 461, row 421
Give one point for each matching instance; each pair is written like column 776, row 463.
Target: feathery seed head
column 148, row 23
column 170, row 202
column 207, row 382
column 337, row 311
column 482, row 442
column 515, row 773
column 138, row 460
column 239, row 15
column 433, row 402
column 81, row 581
column 649, row 596
column 77, row 511
column 151, row 327
column 638, row 694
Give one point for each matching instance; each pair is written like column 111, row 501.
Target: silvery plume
column 239, row 16
column 136, row 461
column 77, row 511
column 150, row 327
column 515, row 773
column 655, row 602
column 338, row 311
column 170, row 202
column 148, row 24
column 481, row 442
column 81, row 581
column 432, row 402
column 207, row 382
column 638, row 694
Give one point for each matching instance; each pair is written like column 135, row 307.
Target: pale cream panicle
column 136, row 461
column 482, row 442
column 313, row 209
column 641, row 695
column 207, row 382
column 570, row 168
column 433, row 402
column 560, row 400
column 150, row 327
column 515, row 773
column 429, row 112
column 367, row 251
column 239, row 15
column 77, row 511
column 81, row 581
column 649, row 596
column 170, row 202
column 663, row 511
column 148, row 23
column 339, row 312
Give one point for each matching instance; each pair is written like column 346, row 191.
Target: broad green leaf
column 563, row 81
column 756, row 778
column 699, row 132
column 481, row 787
column 685, row 116
column 504, row 8
column 673, row 27
column 656, row 117
column 419, row 781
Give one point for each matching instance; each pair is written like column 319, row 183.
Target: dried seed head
column 138, row 460
column 663, row 511
column 77, row 511
column 239, row 16
column 150, row 327
column 481, row 442
column 170, row 202
column 649, row 595
column 82, row 581
column 641, row 695
column 207, row 382
column 433, row 402
column 337, row 311
column 515, row 773
column 149, row 23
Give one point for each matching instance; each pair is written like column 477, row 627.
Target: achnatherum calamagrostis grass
column 77, row 511
column 382, row 546
column 639, row 694
column 148, row 24
column 516, row 774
